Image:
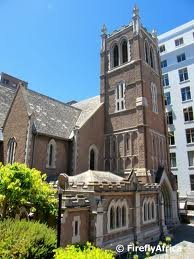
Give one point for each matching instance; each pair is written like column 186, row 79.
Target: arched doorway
column 167, row 203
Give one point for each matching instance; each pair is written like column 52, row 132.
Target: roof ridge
column 53, row 99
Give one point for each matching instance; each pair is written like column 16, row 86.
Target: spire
column 103, row 36
column 104, row 29
column 135, row 10
column 136, row 20
column 154, row 33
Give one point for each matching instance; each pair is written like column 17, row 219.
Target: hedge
column 26, row 239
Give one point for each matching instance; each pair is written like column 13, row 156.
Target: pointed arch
column 115, row 55
column 117, row 215
column 51, row 154
column 124, row 51
column 146, row 51
column 11, row 150
column 93, row 158
column 152, row 59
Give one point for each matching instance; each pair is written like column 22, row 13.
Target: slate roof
column 6, row 98
column 88, row 107
column 51, row 117
column 95, row 176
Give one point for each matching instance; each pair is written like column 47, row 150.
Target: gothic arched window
column 11, row 150
column 146, row 51
column 118, row 217
column 145, row 209
column 115, row 56
column 51, row 154
column 152, row 58
column 154, row 95
column 123, row 215
column 124, row 52
column 153, row 210
column 112, row 218
column 93, row 158
column 149, row 210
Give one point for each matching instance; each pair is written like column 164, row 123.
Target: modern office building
column 177, row 62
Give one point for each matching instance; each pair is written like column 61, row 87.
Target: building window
column 186, row 93
column 181, row 57
column 153, row 210
column 171, row 139
column 165, row 80
column 179, row 42
column 169, row 117
column 117, row 215
column 167, row 98
column 115, row 56
column 146, row 50
column 120, row 97
column 11, row 150
column 51, row 154
column 149, row 207
column 183, row 75
column 192, row 181
column 152, row 58
column 145, row 209
column 93, row 157
column 124, row 52
column 123, row 216
column 188, row 113
column 190, row 135
column 191, row 158
column 154, row 98
column 162, row 48
column 173, row 160
column 112, row 218
column 76, row 229
column 163, row 63
column 127, row 142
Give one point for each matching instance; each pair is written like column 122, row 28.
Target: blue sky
column 55, row 44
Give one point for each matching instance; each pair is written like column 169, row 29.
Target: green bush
column 21, row 186
column 26, row 239
column 82, row 252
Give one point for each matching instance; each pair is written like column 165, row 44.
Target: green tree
column 20, row 187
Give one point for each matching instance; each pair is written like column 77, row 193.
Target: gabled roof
column 51, row 117
column 6, row 98
column 88, row 107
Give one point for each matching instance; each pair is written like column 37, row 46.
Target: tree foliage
column 21, row 186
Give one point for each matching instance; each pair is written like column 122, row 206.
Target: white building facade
column 177, row 62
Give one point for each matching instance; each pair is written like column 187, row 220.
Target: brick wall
column 16, row 126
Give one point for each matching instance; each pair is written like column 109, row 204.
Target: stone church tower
column 135, row 127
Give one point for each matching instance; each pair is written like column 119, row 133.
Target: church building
column 110, row 152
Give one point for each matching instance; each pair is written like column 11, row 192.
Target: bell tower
column 135, row 126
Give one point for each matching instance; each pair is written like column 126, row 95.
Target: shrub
column 20, row 187
column 26, row 239
column 82, row 252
